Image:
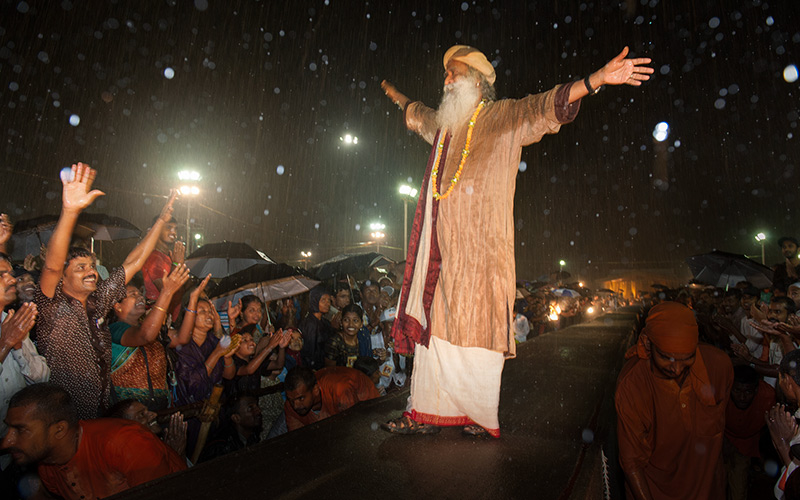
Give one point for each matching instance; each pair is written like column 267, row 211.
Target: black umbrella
column 725, row 269
column 659, row 286
column 267, row 281
column 349, row 263
column 605, row 290
column 30, row 234
column 225, row 258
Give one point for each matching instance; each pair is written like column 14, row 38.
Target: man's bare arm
column 136, row 259
column 76, row 196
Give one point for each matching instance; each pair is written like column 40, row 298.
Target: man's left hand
column 620, row 70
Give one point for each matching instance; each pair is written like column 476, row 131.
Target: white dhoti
column 456, row 386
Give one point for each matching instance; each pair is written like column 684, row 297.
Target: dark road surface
column 556, row 412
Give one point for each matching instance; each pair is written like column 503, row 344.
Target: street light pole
column 762, row 238
column 408, row 193
column 189, row 191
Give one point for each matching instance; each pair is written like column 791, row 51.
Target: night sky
column 255, row 95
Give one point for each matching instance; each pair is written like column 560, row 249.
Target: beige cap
column 471, row 57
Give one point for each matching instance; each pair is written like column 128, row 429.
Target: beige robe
column 474, row 298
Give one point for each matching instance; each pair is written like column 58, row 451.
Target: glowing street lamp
column 306, row 256
column 349, row 139
column 407, row 193
column 377, row 234
column 189, row 190
column 761, row 238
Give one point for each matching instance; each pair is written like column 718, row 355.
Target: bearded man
column 456, row 307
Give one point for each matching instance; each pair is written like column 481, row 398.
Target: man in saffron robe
column 671, row 399
column 456, row 306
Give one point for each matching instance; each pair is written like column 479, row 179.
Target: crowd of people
column 113, row 378
column 707, row 403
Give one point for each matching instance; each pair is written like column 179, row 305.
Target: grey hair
column 488, row 91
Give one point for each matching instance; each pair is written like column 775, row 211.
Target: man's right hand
column 77, row 194
column 196, row 293
column 17, row 325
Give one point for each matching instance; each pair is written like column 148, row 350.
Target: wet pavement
column 556, row 414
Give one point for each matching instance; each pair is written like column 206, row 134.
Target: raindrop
column 790, row 73
column 664, row 69
column 280, row 169
column 523, row 166
column 201, row 5
column 23, row 7
column 42, row 56
column 219, row 189
column 719, row 103
column 266, row 212
column 66, row 174
column 50, row 195
column 358, row 227
column 162, row 138
column 632, row 231
column 770, row 21
column 713, row 22
column 771, row 468
column 373, row 46
column 312, row 66
column 464, row 6
column 316, row 226
column 13, row 86
column 169, row 73
column 56, row 104
column 587, row 435
column 277, row 90
column 74, row 120
column 469, row 190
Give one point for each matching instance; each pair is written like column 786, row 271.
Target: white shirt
column 23, row 366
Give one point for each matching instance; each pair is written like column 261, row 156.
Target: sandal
column 475, row 431
column 405, row 425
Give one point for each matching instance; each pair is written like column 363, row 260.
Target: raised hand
column 196, row 293
column 175, row 434
column 17, row 326
column 286, row 337
column 620, row 70
column 166, row 212
column 6, row 228
column 178, row 252
column 175, row 280
column 741, row 351
column 77, row 193
column 233, row 312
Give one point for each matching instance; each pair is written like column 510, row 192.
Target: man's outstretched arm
column 395, row 95
column 618, row 71
column 76, row 196
column 135, row 260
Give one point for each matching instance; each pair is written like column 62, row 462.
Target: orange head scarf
column 672, row 328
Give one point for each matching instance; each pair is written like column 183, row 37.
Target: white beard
column 458, row 103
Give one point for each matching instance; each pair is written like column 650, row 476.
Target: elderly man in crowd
column 72, row 330
column 455, row 310
column 20, row 364
column 86, row 458
column 671, row 399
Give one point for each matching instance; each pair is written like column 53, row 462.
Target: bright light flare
column 590, row 310
column 305, row 254
column 377, row 235
column 377, row 226
column 408, row 191
column 761, row 237
column 661, row 132
column 349, row 139
column 189, row 190
column 189, row 175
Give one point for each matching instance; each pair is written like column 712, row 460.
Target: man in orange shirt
column 86, row 458
column 311, row 397
column 671, row 399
